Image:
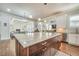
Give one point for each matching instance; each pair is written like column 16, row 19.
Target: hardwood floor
column 69, row 49
column 7, row 48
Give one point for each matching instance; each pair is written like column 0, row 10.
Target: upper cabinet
column 61, row 22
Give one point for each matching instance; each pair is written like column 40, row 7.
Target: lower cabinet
column 38, row 49
column 73, row 39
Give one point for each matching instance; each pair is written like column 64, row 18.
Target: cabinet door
column 77, row 40
column 61, row 21
column 0, row 30
column 71, row 39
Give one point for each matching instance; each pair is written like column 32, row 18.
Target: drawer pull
column 44, row 43
column 44, row 49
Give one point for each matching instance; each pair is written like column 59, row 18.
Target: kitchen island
column 29, row 44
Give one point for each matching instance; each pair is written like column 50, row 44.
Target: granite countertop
column 28, row 39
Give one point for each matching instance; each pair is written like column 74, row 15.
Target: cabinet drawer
column 49, row 43
column 42, row 46
column 35, row 48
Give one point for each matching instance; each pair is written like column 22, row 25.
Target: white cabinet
column 77, row 39
column 61, row 21
column 0, row 30
column 73, row 39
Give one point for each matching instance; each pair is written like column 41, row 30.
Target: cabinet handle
column 44, row 49
column 7, row 48
column 44, row 43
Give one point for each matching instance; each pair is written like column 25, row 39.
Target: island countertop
column 29, row 39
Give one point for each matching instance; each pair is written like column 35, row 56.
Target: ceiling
column 37, row 10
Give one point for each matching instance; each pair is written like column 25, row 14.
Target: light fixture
column 30, row 16
column 44, row 20
column 39, row 19
column 8, row 9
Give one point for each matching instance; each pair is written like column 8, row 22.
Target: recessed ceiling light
column 44, row 20
column 8, row 9
column 30, row 16
column 39, row 19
